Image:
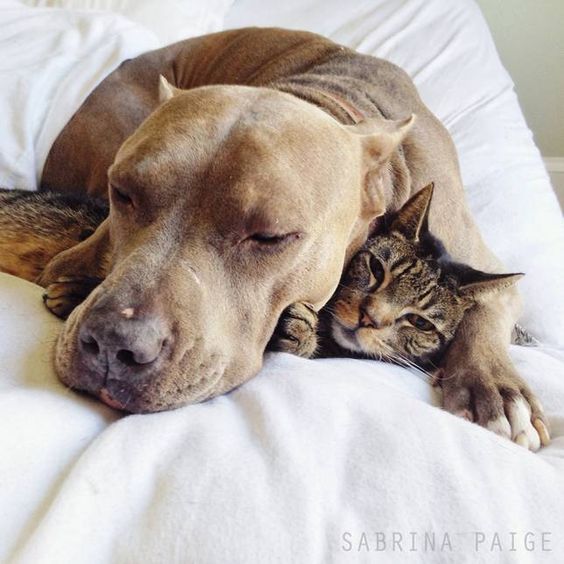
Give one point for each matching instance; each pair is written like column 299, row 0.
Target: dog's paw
column 296, row 332
column 496, row 398
column 66, row 293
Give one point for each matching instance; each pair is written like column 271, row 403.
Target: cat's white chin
column 345, row 338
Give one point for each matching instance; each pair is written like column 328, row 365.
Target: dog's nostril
column 90, row 345
column 140, row 354
column 127, row 357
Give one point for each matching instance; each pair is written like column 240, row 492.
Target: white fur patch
column 128, row 312
column 500, row 426
column 522, row 430
column 464, row 414
column 343, row 339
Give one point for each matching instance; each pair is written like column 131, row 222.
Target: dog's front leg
column 479, row 380
column 71, row 275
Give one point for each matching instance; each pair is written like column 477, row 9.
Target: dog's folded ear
column 379, row 139
column 167, row 90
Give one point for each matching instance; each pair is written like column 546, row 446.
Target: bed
column 335, row 460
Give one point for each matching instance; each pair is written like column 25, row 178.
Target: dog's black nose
column 111, row 342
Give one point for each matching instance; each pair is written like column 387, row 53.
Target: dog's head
column 228, row 204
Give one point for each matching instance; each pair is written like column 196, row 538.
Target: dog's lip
column 113, row 389
column 106, row 397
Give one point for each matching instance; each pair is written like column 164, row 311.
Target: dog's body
column 231, row 202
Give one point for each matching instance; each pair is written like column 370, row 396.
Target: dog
column 240, row 184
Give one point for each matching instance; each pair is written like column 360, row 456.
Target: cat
column 401, row 298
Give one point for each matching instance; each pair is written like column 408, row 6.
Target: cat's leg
column 296, row 332
column 70, row 277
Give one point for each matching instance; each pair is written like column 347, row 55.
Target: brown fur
column 36, row 227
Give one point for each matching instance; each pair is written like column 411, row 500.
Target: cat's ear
column 413, row 218
column 166, row 90
column 476, row 284
column 379, row 139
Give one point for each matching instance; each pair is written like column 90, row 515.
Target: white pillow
column 170, row 20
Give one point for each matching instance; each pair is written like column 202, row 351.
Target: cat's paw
column 492, row 394
column 66, row 293
column 296, row 332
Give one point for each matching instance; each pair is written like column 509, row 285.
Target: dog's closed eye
column 271, row 240
column 268, row 238
column 120, row 197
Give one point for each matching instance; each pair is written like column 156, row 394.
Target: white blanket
column 311, row 461
column 292, row 467
column 51, row 60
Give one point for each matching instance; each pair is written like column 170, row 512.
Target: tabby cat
column 401, row 297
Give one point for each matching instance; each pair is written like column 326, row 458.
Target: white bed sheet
column 298, row 463
column 292, row 467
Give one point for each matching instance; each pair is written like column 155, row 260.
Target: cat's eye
column 419, row 322
column 377, row 269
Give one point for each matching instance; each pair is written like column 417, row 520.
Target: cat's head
column 401, row 295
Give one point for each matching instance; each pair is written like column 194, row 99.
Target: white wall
column 529, row 35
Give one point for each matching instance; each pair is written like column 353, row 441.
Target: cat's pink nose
column 366, row 320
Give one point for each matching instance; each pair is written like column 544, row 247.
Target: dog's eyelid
column 121, row 196
column 272, row 239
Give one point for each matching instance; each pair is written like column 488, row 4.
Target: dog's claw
column 542, row 431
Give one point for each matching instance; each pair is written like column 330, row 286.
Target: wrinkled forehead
column 241, row 143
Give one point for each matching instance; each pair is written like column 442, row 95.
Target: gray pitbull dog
column 239, row 186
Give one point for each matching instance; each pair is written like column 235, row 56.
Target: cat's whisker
column 413, row 365
column 400, row 359
column 415, row 369
column 330, row 309
column 333, row 315
column 349, row 288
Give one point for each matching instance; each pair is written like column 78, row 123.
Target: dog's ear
column 379, row 139
column 166, row 90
